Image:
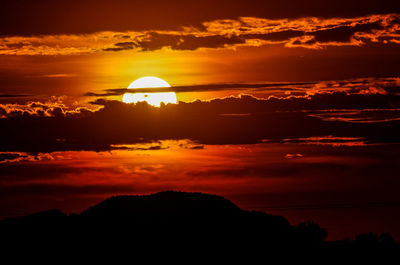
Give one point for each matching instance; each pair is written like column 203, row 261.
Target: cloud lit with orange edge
column 308, row 32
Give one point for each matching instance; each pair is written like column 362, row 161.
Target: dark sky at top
column 52, row 17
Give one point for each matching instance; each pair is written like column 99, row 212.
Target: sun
column 155, row 98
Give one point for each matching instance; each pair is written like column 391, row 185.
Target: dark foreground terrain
column 182, row 224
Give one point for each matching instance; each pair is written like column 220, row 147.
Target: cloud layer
column 307, row 32
column 367, row 110
column 353, row 86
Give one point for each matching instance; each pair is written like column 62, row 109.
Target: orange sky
column 247, row 49
column 291, row 107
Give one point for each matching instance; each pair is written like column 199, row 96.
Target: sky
column 286, row 107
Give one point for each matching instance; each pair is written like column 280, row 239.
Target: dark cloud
column 305, row 34
column 275, row 36
column 202, row 88
column 207, row 122
column 10, row 156
column 194, row 147
column 370, row 115
column 120, row 46
column 355, row 86
column 40, row 109
column 301, row 35
column 326, row 140
column 144, row 148
column 308, row 32
column 344, row 33
column 247, row 104
column 157, row 41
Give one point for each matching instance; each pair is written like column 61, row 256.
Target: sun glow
column 154, row 99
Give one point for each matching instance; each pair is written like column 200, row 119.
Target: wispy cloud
column 58, row 75
column 206, row 87
column 352, row 86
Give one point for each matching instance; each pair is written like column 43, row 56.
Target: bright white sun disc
column 148, row 82
column 154, row 99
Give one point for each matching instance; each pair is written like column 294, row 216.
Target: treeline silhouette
column 183, row 223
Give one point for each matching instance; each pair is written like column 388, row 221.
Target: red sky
column 286, row 107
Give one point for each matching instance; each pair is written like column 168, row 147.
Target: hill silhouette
column 194, row 223
column 166, row 203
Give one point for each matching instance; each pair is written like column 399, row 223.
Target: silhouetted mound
column 168, row 203
column 194, row 223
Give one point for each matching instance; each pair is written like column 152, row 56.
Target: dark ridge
column 167, row 202
column 187, row 224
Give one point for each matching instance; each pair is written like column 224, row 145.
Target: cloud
column 292, row 156
column 326, row 140
column 157, row 41
column 353, row 86
column 345, row 33
column 206, row 87
column 306, row 32
column 141, row 147
column 120, row 46
column 360, row 116
column 6, row 157
column 194, row 146
column 51, row 108
column 38, row 127
column 63, row 44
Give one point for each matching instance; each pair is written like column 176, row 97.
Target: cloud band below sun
column 369, row 116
